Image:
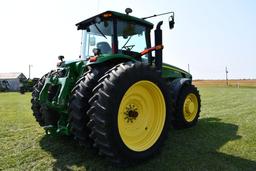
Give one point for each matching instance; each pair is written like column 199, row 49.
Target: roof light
column 106, row 15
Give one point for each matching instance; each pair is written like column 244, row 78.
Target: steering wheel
column 128, row 47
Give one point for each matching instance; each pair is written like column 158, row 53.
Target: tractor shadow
column 190, row 149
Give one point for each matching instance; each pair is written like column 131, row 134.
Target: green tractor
column 4, row 86
column 118, row 96
column 26, row 85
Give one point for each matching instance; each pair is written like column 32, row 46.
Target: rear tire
column 79, row 105
column 188, row 107
column 128, row 91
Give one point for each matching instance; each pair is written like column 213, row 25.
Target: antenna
column 226, row 71
column 98, row 4
column 188, row 69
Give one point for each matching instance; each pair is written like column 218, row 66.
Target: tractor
column 118, row 96
column 4, row 86
column 26, row 85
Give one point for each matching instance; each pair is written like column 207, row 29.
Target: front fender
column 177, row 84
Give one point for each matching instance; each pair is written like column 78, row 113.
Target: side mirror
column 92, row 41
column 171, row 21
column 61, row 58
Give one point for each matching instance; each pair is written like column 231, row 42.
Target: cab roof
column 112, row 14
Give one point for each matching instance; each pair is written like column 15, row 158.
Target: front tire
column 44, row 116
column 188, row 107
column 130, row 113
column 35, row 101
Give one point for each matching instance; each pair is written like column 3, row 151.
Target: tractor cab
column 112, row 33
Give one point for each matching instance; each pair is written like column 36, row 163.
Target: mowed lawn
column 224, row 139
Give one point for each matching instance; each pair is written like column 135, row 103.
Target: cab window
column 131, row 37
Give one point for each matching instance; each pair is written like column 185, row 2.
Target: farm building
column 11, row 81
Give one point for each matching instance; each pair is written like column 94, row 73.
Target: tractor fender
column 177, row 84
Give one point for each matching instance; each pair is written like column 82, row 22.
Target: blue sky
column 208, row 35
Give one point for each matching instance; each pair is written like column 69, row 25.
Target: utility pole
column 226, row 75
column 188, row 69
column 29, row 70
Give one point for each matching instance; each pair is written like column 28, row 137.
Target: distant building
column 11, row 81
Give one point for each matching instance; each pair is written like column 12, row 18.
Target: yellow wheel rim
column 141, row 115
column 190, row 107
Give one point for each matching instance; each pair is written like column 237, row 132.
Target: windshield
column 131, row 37
column 98, row 36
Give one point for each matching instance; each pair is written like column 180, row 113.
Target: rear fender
column 110, row 57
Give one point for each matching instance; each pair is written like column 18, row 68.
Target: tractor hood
column 64, row 64
column 170, row 71
column 74, row 66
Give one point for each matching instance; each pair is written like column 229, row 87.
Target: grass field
column 224, row 139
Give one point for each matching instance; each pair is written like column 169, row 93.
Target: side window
column 99, row 36
column 99, row 42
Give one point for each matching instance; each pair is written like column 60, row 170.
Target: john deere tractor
column 119, row 95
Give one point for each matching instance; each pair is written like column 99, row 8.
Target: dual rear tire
column 78, row 105
column 129, row 115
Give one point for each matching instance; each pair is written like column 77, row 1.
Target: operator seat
column 104, row 47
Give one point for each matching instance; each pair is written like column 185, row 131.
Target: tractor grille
column 53, row 92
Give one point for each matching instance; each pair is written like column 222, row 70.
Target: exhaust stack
column 159, row 52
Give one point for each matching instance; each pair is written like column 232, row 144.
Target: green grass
column 224, row 139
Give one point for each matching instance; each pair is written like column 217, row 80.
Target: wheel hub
column 131, row 113
column 190, row 107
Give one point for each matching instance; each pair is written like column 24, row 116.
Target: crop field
column 231, row 83
column 224, row 138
